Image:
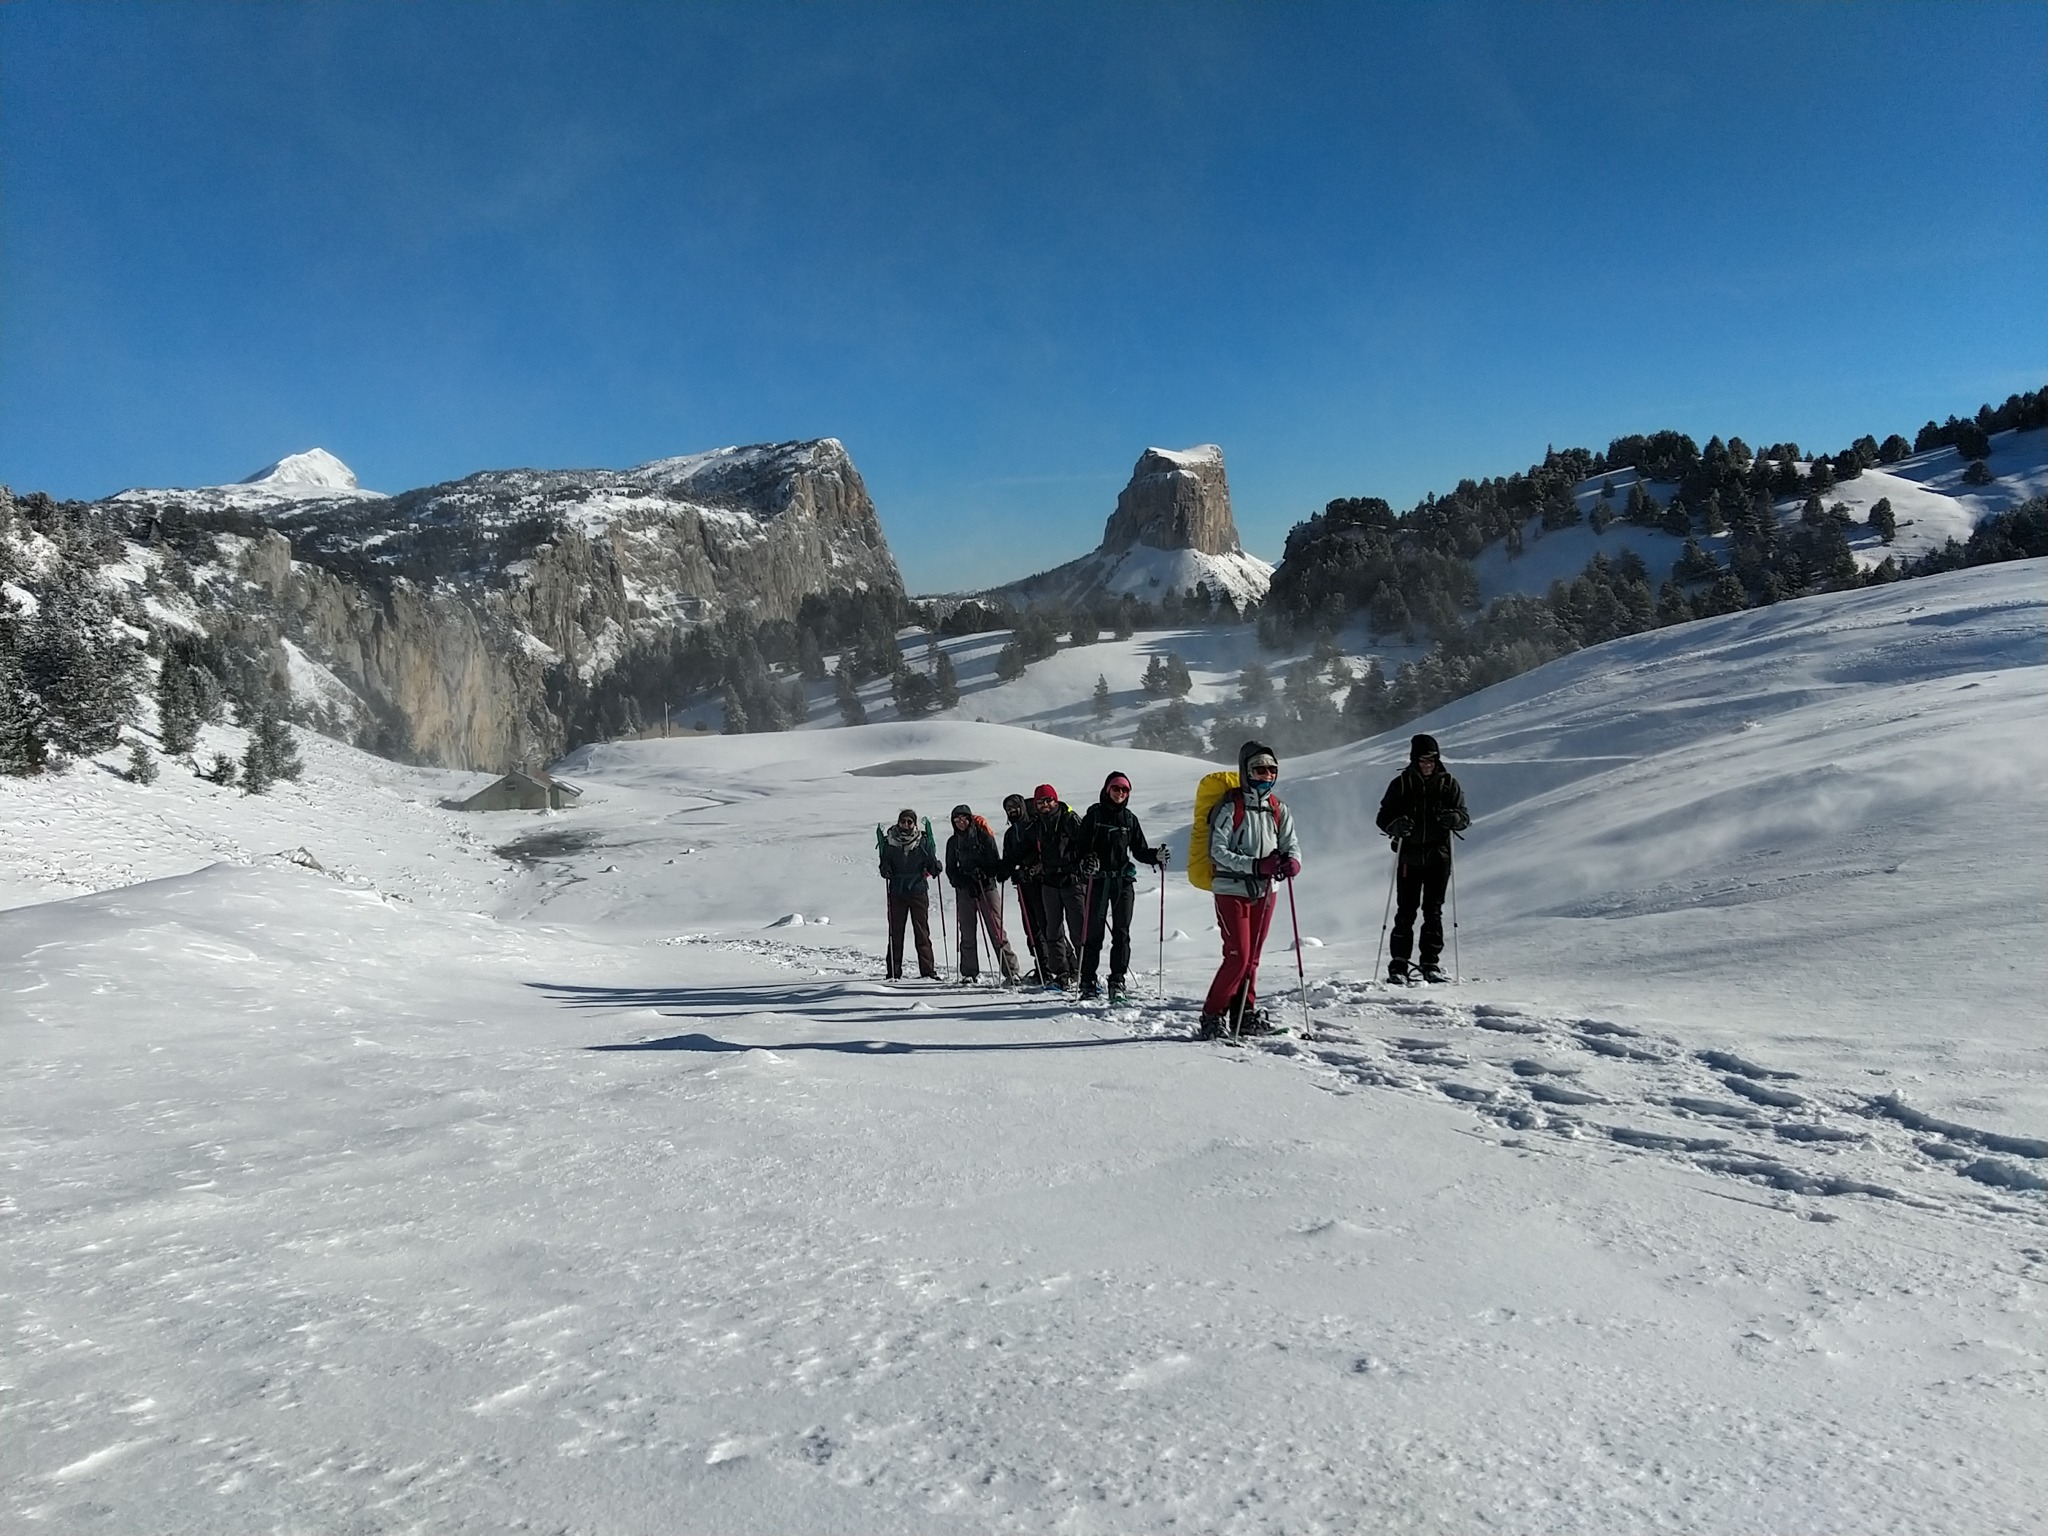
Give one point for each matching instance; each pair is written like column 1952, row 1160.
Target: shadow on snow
column 697, row 1001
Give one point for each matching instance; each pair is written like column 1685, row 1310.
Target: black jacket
column 1052, row 847
column 972, row 859
column 1110, row 835
column 1433, row 807
column 1016, row 850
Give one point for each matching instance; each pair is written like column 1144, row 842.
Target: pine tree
column 1883, row 520
column 177, row 709
column 946, row 681
column 257, row 773
column 1365, row 704
column 220, row 771
column 851, row 710
column 913, row 692
column 1167, row 729
column 79, row 665
column 141, row 764
column 280, row 751
column 735, row 712
column 810, row 655
column 1102, row 706
column 24, row 750
column 1010, row 662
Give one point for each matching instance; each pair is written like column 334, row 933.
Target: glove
column 1453, row 821
column 1401, row 827
column 1160, row 855
column 1091, row 867
column 1271, row 867
column 1290, row 868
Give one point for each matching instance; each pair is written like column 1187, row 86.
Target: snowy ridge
column 313, row 476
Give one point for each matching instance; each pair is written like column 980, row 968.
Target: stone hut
column 523, row 789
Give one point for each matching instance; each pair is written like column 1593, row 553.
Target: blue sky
column 998, row 250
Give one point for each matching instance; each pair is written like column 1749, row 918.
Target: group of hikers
column 1076, row 880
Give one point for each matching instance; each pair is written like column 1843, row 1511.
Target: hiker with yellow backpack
column 1244, row 844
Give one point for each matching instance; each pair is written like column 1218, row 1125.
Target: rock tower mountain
column 1172, row 531
column 1175, row 500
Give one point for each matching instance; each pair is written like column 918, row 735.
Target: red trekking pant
column 1243, row 921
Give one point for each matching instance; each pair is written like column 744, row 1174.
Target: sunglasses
column 1264, row 772
column 1119, row 789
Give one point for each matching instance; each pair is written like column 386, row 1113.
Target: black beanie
column 1422, row 746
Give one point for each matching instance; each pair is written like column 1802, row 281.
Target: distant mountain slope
column 476, row 618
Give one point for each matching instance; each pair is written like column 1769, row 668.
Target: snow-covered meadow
column 539, row 1171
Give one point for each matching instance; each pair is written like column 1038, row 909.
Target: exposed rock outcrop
column 470, row 617
column 1175, row 501
column 1172, row 531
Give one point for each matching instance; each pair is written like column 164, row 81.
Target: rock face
column 1171, row 532
column 1175, row 501
column 472, row 617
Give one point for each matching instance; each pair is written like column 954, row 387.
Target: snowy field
column 539, row 1171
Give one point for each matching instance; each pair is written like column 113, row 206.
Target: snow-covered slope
column 1930, row 499
column 580, row 1188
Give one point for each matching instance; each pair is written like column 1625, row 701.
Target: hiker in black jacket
column 1421, row 810
column 1110, row 840
column 1053, row 861
column 1016, row 844
column 975, row 867
column 907, row 861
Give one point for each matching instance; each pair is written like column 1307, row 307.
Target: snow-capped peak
column 314, row 467
column 1188, row 458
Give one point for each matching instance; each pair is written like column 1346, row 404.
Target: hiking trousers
column 1242, row 921
column 1060, row 933
column 1108, row 904
column 976, row 907
column 916, row 910
column 1423, row 877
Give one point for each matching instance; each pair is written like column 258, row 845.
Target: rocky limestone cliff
column 470, row 616
column 1171, row 531
column 1175, row 500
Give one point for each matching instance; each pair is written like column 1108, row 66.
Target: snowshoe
column 1434, row 975
column 1090, row 992
column 1397, row 974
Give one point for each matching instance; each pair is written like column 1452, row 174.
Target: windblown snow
column 481, row 1172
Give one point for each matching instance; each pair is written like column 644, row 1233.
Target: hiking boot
column 1433, row 973
column 1210, row 1027
column 1118, row 992
column 1091, row 990
column 1257, row 1022
column 1397, row 972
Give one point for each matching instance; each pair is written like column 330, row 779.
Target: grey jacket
column 1235, row 847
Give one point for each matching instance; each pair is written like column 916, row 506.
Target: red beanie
column 1045, row 792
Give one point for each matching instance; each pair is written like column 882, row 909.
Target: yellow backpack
column 1214, row 786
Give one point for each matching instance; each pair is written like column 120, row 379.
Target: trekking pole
column 1163, row 854
column 1457, row 976
column 1300, row 968
column 1087, row 918
column 931, row 848
column 1388, row 912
